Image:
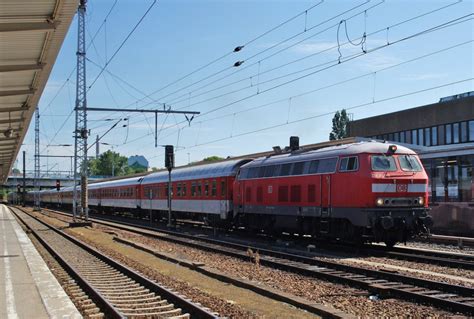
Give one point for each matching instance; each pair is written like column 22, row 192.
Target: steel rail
column 387, row 284
column 189, row 307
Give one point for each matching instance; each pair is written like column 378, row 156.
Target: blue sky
column 264, row 101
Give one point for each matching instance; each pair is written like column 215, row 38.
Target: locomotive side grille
column 283, row 193
column 248, row 194
column 311, row 193
column 259, row 194
column 296, row 193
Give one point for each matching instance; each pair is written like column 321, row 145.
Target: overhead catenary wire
column 394, row 25
column 236, row 49
column 256, row 54
column 122, row 44
column 432, row 29
column 338, row 45
column 372, row 33
column 349, row 58
column 351, row 107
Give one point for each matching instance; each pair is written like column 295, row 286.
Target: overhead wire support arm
column 155, row 111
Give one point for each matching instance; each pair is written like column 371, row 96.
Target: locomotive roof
column 368, row 147
column 220, row 169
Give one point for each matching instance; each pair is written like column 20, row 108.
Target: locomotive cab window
column 383, row 163
column 349, row 164
column 409, row 163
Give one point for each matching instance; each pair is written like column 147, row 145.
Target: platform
column 28, row 289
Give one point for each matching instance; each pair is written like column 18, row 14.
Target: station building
column 442, row 134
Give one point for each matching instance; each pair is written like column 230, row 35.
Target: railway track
column 117, row 290
column 455, row 260
column 441, row 258
column 384, row 283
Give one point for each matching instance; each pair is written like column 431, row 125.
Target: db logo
column 402, row 188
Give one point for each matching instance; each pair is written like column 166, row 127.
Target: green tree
column 212, row 159
column 110, row 164
column 339, row 125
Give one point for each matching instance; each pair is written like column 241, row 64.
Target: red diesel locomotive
column 360, row 192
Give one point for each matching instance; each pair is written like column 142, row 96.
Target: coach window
column 178, row 190
column 349, row 164
column 199, row 188
column 214, row 188
column 183, row 190
column 313, row 167
column 327, row 165
column 206, row 188
column 285, row 169
column 223, row 188
column 193, row 189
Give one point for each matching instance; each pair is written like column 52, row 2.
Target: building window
column 471, row 131
column 390, row 137
column 434, row 136
column 463, row 132
column 402, row 137
column 449, row 136
column 408, row 137
column 413, row 137
column 427, row 137
column 396, row 137
column 456, row 133
column 420, row 136
column 441, row 137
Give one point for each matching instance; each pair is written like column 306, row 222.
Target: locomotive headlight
column 379, row 202
column 421, row 201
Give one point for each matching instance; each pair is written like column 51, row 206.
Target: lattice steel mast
column 37, row 160
column 81, row 132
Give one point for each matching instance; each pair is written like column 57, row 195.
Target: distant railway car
column 362, row 191
column 365, row 191
column 203, row 191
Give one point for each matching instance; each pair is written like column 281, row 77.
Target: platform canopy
column 31, row 35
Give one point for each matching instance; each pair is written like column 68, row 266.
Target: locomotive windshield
column 409, row 163
column 383, row 163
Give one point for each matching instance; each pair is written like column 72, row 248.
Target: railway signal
column 169, row 157
column 169, row 164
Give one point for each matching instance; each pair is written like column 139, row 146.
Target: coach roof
column 371, row 147
column 220, row 169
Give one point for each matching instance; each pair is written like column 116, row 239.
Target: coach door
column 224, row 198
